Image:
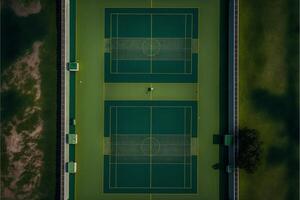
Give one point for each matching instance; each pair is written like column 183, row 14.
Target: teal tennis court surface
column 150, row 146
column 151, row 45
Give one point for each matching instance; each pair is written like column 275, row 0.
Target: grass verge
column 269, row 85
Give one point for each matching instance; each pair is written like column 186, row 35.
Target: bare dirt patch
column 25, row 159
column 25, row 73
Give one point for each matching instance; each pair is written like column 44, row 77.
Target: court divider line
column 151, row 43
column 152, row 13
column 109, row 167
column 184, row 124
column 117, row 61
column 185, row 23
column 150, row 145
column 191, row 133
column 111, row 38
column 116, row 170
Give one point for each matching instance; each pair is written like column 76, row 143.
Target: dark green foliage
column 250, row 150
column 19, row 33
column 12, row 103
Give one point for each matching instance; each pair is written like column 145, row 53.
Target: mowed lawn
column 269, row 78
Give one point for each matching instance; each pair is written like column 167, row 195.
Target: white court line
column 117, row 62
column 116, row 153
column 184, row 124
column 152, row 106
column 128, row 144
column 159, row 38
column 185, row 23
column 109, row 171
column 134, row 187
column 151, row 43
column 141, row 155
column 150, row 147
column 180, row 14
column 123, row 163
column 136, row 73
column 191, row 132
column 111, row 38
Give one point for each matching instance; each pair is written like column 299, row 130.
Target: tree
column 250, row 150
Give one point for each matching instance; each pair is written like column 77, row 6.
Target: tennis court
column 151, row 150
column 151, row 45
column 148, row 100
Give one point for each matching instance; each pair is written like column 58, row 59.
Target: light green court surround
column 91, row 92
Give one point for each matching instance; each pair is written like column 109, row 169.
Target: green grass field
column 91, row 91
column 269, row 78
